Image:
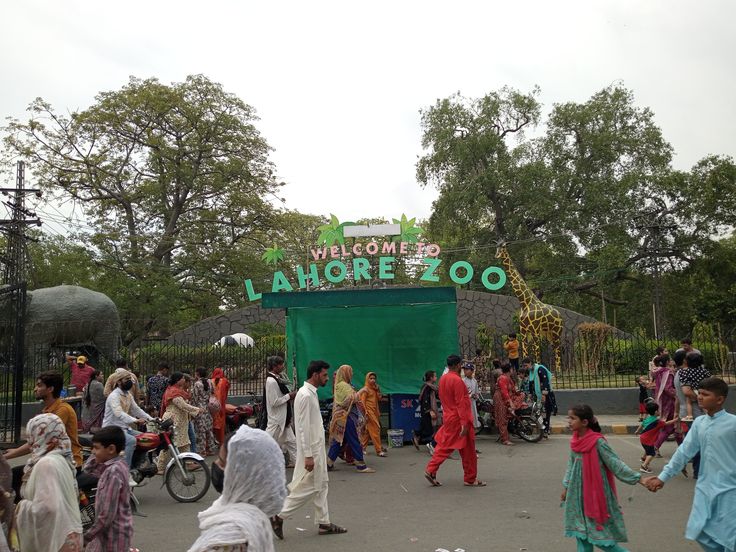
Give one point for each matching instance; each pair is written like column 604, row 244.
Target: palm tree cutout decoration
column 332, row 232
column 409, row 232
column 273, row 255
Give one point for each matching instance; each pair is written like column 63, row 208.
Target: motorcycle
column 236, row 416
column 186, row 476
column 325, row 409
column 526, row 422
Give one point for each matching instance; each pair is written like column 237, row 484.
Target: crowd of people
column 250, row 468
column 45, row 489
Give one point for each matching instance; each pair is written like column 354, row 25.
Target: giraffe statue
column 536, row 319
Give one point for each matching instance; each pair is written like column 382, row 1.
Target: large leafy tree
column 590, row 194
column 174, row 180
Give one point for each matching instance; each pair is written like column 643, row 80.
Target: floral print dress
column 203, row 423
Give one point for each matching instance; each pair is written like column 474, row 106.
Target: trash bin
column 404, row 414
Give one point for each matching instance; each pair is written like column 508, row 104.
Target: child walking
column 648, row 432
column 113, row 527
column 643, row 383
column 712, row 523
column 592, row 513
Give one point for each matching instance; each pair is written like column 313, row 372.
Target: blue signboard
column 405, row 413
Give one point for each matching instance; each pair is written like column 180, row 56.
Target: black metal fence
column 607, row 358
column 245, row 367
column 12, row 307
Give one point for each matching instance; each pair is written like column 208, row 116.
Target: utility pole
column 16, row 260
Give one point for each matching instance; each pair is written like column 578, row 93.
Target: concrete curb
column 616, row 429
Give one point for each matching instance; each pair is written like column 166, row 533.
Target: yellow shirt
column 65, row 411
column 512, row 348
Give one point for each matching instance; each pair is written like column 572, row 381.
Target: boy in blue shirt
column 712, row 523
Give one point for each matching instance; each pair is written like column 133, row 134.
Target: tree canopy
column 175, row 182
column 590, row 190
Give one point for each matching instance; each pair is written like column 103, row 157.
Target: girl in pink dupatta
column 592, row 513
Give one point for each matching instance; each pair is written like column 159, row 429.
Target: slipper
column 415, row 441
column 277, row 524
column 381, row 454
column 331, row 529
column 432, row 479
column 333, row 467
column 365, row 469
column 476, row 483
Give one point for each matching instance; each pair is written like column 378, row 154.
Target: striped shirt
column 113, row 527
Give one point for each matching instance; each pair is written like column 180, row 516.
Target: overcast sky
column 338, row 85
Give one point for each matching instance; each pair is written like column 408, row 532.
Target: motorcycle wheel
column 190, row 487
column 87, row 513
column 529, row 429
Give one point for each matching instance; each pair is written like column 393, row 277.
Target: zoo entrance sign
column 361, row 256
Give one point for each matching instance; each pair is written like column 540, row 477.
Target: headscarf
column 173, row 391
column 369, row 395
column 594, row 494
column 343, row 388
column 43, row 431
column 534, row 378
column 117, row 376
column 254, row 490
column 217, row 373
column 49, row 510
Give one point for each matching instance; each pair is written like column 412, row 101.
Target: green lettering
column 252, row 295
column 468, row 272
column 361, row 268
column 385, row 268
column 342, row 271
column 429, row 274
column 280, row 282
column 498, row 272
column 304, row 279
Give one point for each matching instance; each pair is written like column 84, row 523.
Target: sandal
column 432, row 479
column 365, row 469
column 331, row 529
column 381, row 454
column 277, row 524
column 476, row 483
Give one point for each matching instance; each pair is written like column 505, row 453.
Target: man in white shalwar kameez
column 309, row 483
column 278, row 408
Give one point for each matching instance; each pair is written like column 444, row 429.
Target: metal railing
column 612, row 360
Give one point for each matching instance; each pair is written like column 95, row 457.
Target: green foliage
column 332, row 232
column 583, row 195
column 409, row 232
column 264, row 329
column 599, row 352
column 172, row 181
column 273, row 255
column 485, row 338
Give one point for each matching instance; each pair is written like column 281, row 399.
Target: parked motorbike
column 325, row 409
column 526, row 423
column 186, row 476
column 236, row 416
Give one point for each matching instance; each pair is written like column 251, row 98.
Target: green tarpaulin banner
column 399, row 342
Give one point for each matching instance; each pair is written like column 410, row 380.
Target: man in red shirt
column 457, row 431
column 81, row 374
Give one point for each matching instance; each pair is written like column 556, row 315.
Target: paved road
column 395, row 509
